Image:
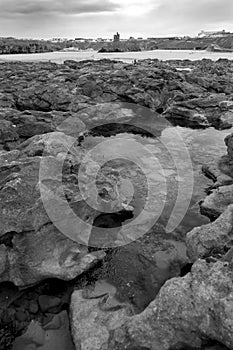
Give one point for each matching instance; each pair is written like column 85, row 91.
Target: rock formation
column 50, row 117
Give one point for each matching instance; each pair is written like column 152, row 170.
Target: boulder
column 43, row 97
column 212, row 238
column 91, row 324
column 25, row 224
column 58, row 257
column 199, row 112
column 48, row 303
column 37, row 337
column 187, row 312
column 216, row 202
column 104, row 113
column 7, row 100
column 8, row 133
column 185, row 116
column 214, row 171
column 19, row 126
column 229, row 144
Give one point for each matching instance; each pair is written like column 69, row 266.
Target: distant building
column 116, row 38
column 59, row 40
column 80, row 40
column 213, row 34
column 164, row 38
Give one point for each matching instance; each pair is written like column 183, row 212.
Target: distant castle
column 116, row 38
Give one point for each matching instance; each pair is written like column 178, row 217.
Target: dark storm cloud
column 56, row 7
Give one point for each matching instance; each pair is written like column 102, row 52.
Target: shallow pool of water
column 175, row 157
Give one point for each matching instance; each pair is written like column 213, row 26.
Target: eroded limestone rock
column 205, row 240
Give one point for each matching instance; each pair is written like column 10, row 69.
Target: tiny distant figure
column 135, row 62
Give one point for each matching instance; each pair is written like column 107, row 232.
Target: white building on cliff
column 213, row 34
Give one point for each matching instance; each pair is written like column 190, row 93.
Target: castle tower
column 116, row 38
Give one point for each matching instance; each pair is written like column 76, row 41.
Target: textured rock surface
column 214, row 237
column 215, row 203
column 229, row 144
column 186, row 312
column 201, row 111
column 214, row 172
column 55, row 335
column 221, row 194
column 139, row 270
column 189, row 309
column 200, row 97
column 95, row 320
column 43, row 105
column 25, row 225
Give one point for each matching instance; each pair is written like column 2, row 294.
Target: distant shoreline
column 127, row 57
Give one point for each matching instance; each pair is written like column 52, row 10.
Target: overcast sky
column 102, row 18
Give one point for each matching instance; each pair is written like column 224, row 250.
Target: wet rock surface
column 187, row 312
column 50, row 117
column 214, row 240
column 211, row 239
column 35, row 95
column 220, row 197
column 55, row 334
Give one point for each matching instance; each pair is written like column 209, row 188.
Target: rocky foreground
column 42, row 105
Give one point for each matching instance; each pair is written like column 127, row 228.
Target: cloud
column 135, row 7
column 196, row 11
column 55, row 7
column 47, row 18
column 188, row 17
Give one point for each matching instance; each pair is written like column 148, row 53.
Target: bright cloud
column 95, row 18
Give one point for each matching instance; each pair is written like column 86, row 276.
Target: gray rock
column 92, row 327
column 36, row 337
column 203, row 240
column 25, row 225
column 47, row 302
column 229, row 144
column 214, row 172
column 187, row 116
column 187, row 311
column 216, row 203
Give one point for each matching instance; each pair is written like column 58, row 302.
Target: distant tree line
column 18, row 46
column 21, row 46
